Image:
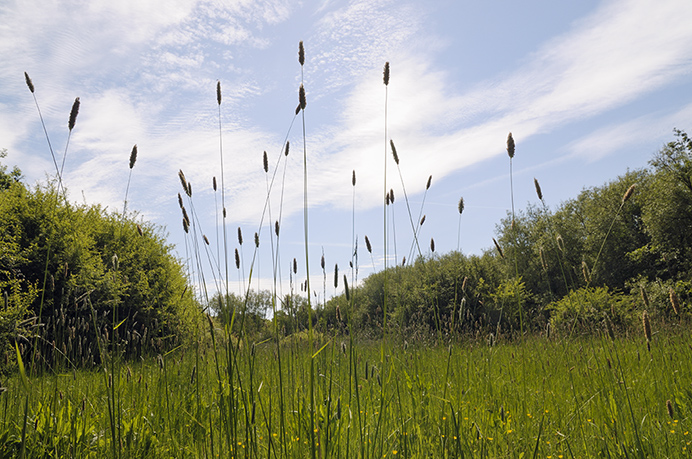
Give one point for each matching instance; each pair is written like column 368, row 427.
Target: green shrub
column 590, row 309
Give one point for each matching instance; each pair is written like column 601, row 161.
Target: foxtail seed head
column 560, row 243
column 463, row 284
column 396, row 157
column 499, row 250
column 213, row 182
column 386, row 74
column 295, row 266
column 461, row 205
column 585, row 272
column 301, row 53
column 353, row 178
column 133, row 156
column 237, row 259
column 256, row 240
column 301, row 97
column 510, row 146
column 391, row 196
column 422, row 220
column 336, row 275
column 322, row 264
column 29, row 83
column 674, row 301
column 287, row 146
column 647, row 326
column 206, row 241
column 218, row 92
column 367, row 244
column 348, row 295
column 240, row 236
column 180, row 201
column 73, row 114
column 265, row 162
column 427, row 186
column 628, row 194
column 183, row 181
column 276, row 228
column 539, row 193
column 432, row 245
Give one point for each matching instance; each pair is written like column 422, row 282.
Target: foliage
column 98, row 268
column 590, row 309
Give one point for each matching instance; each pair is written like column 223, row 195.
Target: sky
column 589, row 90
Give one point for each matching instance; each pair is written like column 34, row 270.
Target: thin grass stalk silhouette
column 421, row 219
column 408, row 206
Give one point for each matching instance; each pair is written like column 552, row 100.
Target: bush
column 590, row 309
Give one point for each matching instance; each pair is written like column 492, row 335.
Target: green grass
column 589, row 397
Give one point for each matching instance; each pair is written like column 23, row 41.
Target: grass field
column 544, row 397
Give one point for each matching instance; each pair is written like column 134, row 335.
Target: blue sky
column 589, row 89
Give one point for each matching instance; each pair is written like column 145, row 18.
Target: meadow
column 570, row 339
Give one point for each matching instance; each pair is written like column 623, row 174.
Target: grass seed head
column 353, row 178
column 348, row 294
column 461, row 205
column 240, row 236
column 213, row 182
column 29, row 83
column 385, row 74
column 560, row 243
column 336, row 275
column 218, row 92
column 189, row 189
column 427, row 186
column 422, row 220
column 237, row 259
column 133, row 156
column 391, row 196
column 542, row 256
column 295, row 266
column 539, row 193
column 669, row 407
column 265, row 162
column 276, row 228
column 585, row 272
column 73, row 114
column 645, row 297
column 298, row 108
column 180, row 201
column 186, row 227
column 510, row 146
column 206, row 241
column 463, row 284
column 396, row 156
column 322, row 264
column 183, row 180
column 367, row 244
column 139, row 230
column 288, row 144
column 647, row 326
column 301, row 97
column 674, row 301
column 432, row 245
column 301, row 53
column 499, row 249
column 256, row 240
column 628, row 194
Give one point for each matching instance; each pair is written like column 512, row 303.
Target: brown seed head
column 560, row 243
column 585, row 272
column 287, row 146
column 189, row 189
column 295, row 266
column 422, row 220
column 336, row 275
column 499, row 250
column 186, row 227
column 628, row 194
column 133, row 156
column 386, row 199
column 539, row 193
column 301, row 97
column 265, row 162
column 237, row 259
column 298, row 108
column 367, row 244
column 669, row 407
column 183, row 181
column 386, row 74
column 432, row 245
column 140, row 230
column 510, row 146
column 647, row 326
column 240, row 236
column 645, row 297
column 322, row 264
column 353, row 178
column 674, row 301
column 276, row 228
column 396, row 157
column 224, row 212
column 185, row 216
column 427, row 186
column 218, row 92
column 180, row 201
column 206, row 241
column 403, row 261
column 463, row 284
column 542, row 256
column 301, row 53
column 213, row 182
column 391, row 196
column 348, row 294
column 461, row 205
column 256, row 240
column 29, row 83
column 73, row 114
